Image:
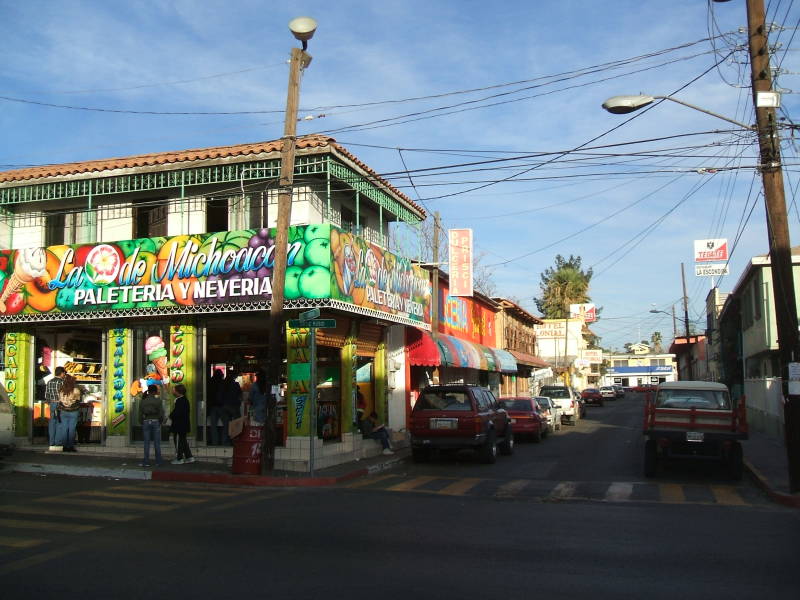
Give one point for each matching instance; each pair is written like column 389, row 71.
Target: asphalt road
column 568, row 518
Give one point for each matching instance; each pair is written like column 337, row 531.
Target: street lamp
column 622, row 105
column 303, row 29
column 674, row 322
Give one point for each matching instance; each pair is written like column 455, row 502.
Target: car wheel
column 538, row 436
column 735, row 462
column 488, row 452
column 507, row 445
column 650, row 458
column 419, row 455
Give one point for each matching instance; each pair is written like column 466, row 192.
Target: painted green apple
column 291, row 290
column 321, row 230
column 315, row 282
column 318, row 252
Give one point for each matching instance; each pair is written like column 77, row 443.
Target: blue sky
column 632, row 219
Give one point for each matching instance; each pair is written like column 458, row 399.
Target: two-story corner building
column 749, row 342
column 159, row 267
column 516, row 334
column 639, row 367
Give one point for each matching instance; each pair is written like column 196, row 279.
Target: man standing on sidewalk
column 51, row 396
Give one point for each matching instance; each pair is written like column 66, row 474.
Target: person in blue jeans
column 151, row 414
column 69, row 405
column 51, row 391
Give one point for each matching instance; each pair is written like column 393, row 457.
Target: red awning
column 529, row 359
column 422, row 350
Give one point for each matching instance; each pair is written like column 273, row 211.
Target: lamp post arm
column 708, row 112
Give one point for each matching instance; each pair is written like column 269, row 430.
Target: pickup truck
column 459, row 416
column 694, row 420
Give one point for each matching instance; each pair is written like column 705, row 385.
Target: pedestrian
column 258, row 397
column 69, row 405
column 51, row 391
column 372, row 429
column 180, row 426
column 151, row 415
column 215, row 403
column 232, row 404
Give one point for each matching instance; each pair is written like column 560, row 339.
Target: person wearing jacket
column 69, row 404
column 151, row 415
column 180, row 426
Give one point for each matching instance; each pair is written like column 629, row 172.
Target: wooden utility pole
column 777, row 229
column 299, row 60
column 437, row 225
column 690, row 369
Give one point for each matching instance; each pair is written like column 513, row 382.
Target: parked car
column 592, row 396
column 694, row 420
column 562, row 396
column 460, row 416
column 620, row 391
column 608, row 392
column 526, row 417
column 551, row 411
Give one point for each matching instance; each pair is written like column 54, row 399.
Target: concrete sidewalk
column 116, row 467
column 766, row 461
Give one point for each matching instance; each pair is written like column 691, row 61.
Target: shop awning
column 453, row 352
column 529, row 359
column 422, row 350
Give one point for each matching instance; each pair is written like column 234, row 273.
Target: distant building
column 638, row 368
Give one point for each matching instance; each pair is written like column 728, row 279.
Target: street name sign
column 312, row 323
column 309, row 314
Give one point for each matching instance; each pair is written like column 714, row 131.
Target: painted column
column 298, row 404
column 20, row 378
column 381, row 384
column 118, row 378
column 349, row 368
column 183, row 366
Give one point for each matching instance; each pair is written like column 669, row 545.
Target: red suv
column 592, row 396
column 451, row 417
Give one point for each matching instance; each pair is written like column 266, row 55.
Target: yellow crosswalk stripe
column 512, row 488
column 149, row 497
column 368, row 480
column 20, row 543
column 106, row 503
column 48, row 525
column 727, row 495
column 62, row 512
column 409, row 485
column 619, row 491
column 460, row 487
column 157, row 487
column 671, row 492
column 565, row 489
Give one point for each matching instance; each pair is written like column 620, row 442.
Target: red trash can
column 247, row 451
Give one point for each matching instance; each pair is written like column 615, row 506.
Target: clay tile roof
column 308, row 142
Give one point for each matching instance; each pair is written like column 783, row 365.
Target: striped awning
column 455, row 352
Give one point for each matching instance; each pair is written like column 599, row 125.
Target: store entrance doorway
column 80, row 350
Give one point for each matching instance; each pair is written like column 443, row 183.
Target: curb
column 790, row 500
column 198, row 477
column 76, row 471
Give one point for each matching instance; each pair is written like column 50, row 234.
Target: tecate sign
column 711, row 270
column 710, row 250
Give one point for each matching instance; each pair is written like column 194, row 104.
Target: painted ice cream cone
column 29, row 264
column 160, row 364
